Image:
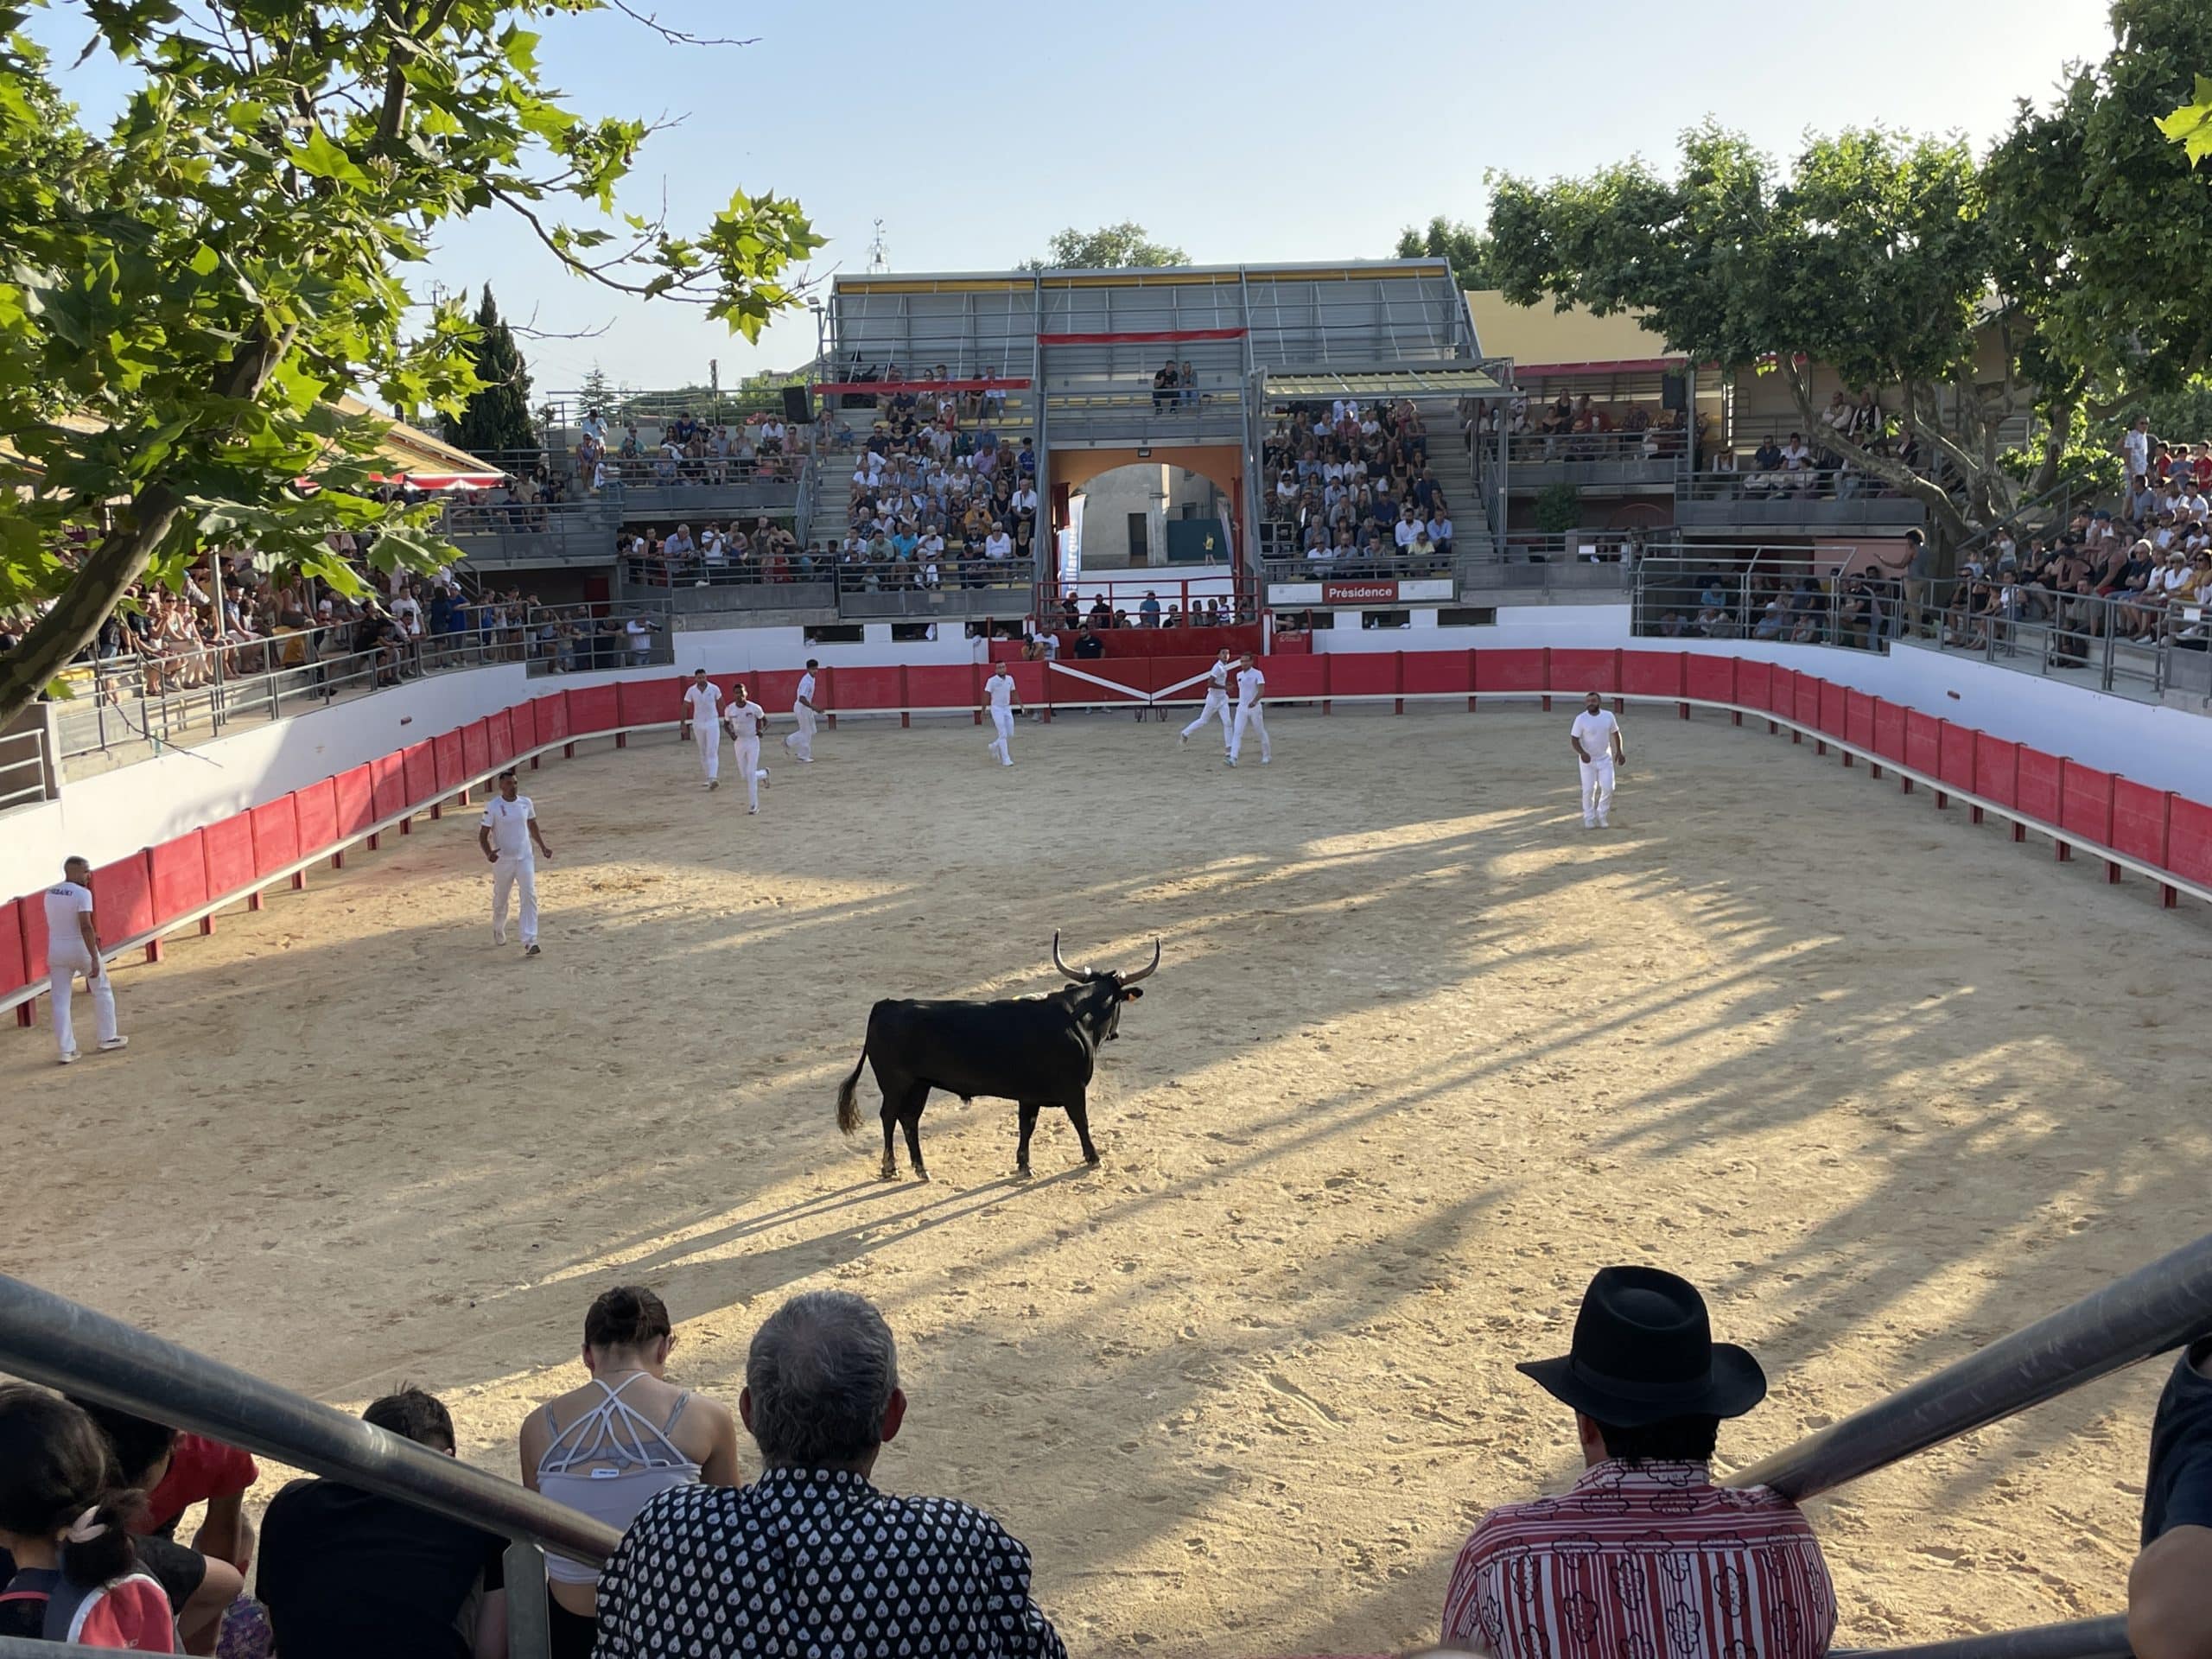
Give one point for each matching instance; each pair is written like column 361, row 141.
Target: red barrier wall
column 1996, row 770
column 2138, row 821
column 451, row 761
column 1835, row 712
column 123, row 897
column 1858, row 721
column 314, row 810
column 873, row 687
column 275, row 836
column 2038, row 793
column 1957, row 750
column 594, row 710
column 1366, row 674
column 500, row 732
column 1585, row 670
column 356, row 793
column 1427, row 672
column 1653, row 673
column 777, row 689
column 1889, row 731
column 552, row 719
column 2189, row 843
column 2085, row 802
column 1508, row 670
column 421, row 774
column 1298, row 679
column 1167, row 671
column 947, row 686
column 1782, row 692
column 1753, row 682
column 1709, row 679
column 15, row 962
column 180, row 871
column 33, row 912
column 228, row 843
column 475, row 748
column 654, row 702
column 1923, row 742
column 522, row 723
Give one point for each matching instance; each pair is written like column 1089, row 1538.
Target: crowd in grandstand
column 1354, row 482
column 1643, row 1554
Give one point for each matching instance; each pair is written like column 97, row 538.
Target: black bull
column 1034, row 1051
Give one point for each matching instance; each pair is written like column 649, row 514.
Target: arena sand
column 1422, row 1056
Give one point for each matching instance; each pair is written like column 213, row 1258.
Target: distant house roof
column 1542, row 341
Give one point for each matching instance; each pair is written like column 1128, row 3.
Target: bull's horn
column 1061, row 965
column 1149, row 970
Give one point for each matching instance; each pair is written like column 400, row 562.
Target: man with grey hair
column 811, row 1558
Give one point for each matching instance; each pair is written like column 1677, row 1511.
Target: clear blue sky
column 1236, row 130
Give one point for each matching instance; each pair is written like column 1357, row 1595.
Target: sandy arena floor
column 1422, row 1056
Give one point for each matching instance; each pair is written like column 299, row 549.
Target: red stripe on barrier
column 1509, row 670
column 2085, row 802
column 553, row 725
column 1754, row 681
column 1585, row 670
column 2138, row 821
column 421, row 762
column 1428, row 673
column 522, row 723
column 873, row 688
column 1889, row 731
column 1923, row 742
column 275, row 836
column 122, row 896
column 1105, row 680
column 180, row 873
column 500, row 731
column 1835, row 710
column 945, row 685
column 1654, row 673
column 1808, row 702
column 1955, row 756
column 388, row 780
column 1858, row 721
column 315, row 812
column 1029, row 683
column 228, row 843
column 475, row 748
column 449, row 758
column 1709, row 679
column 1359, row 674
column 1782, row 692
column 1295, row 679
column 2039, row 791
column 1997, row 769
column 355, row 794
column 15, row 959
column 655, row 702
column 2188, row 843
column 593, row 709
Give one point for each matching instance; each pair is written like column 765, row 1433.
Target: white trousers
column 1003, row 746
column 506, row 875
column 66, row 965
column 1597, row 789
column 801, row 742
column 748, row 766
column 1249, row 714
column 1216, row 708
column 707, row 735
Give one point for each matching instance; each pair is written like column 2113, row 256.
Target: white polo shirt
column 64, row 902
column 702, row 701
column 805, row 693
column 1248, row 683
column 509, row 823
column 1595, row 733
column 1218, row 677
column 1000, row 687
column 745, row 719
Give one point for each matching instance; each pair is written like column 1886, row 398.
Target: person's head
column 74, row 869
column 822, row 1384
column 508, row 785
column 1224, row 654
column 1246, row 659
column 811, row 664
column 59, row 1492
column 628, row 1329
column 741, row 694
column 414, row 1414
column 141, row 1447
column 1593, row 702
column 698, row 677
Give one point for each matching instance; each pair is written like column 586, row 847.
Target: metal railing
column 590, row 638
column 1630, row 545
column 1812, row 494
column 23, row 765
column 2132, row 645
column 885, row 575
column 1354, row 566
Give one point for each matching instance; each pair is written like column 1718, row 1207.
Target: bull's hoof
column 922, row 1175
column 1021, row 1172
column 1092, row 1159
column 888, row 1172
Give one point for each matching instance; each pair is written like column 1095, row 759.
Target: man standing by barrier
column 1596, row 737
column 800, row 743
column 702, row 721
column 745, row 718
column 73, row 947
column 512, row 841
column 1217, row 706
column 1000, row 699
column 1251, row 686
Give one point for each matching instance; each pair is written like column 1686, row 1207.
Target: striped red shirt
column 1646, row 1561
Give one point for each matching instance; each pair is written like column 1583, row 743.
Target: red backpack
column 130, row 1613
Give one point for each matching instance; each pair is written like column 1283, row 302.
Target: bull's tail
column 848, row 1111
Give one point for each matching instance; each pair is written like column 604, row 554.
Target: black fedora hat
column 1643, row 1353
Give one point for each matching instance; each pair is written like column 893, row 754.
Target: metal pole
column 222, row 634
column 2165, row 1306
column 2080, row 1638
column 50, row 1339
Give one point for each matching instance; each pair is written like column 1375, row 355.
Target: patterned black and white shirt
column 818, row 1564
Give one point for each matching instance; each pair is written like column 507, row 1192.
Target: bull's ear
column 1130, row 992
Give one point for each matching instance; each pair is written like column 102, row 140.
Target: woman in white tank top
column 623, row 1438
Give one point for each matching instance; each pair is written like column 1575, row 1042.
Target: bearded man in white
column 1596, row 737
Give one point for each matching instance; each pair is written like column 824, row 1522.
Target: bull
column 1034, row 1051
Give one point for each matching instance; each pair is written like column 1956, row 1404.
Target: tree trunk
column 73, row 623
column 1942, row 511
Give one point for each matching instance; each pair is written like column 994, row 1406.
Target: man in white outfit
column 800, row 743
column 73, row 947
column 1251, row 687
column 1596, row 740
column 745, row 719
column 703, row 703
column 1000, row 700
column 512, row 841
column 1217, row 706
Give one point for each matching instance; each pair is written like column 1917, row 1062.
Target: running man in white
column 1596, row 740
column 512, row 841
column 73, row 947
column 703, row 703
column 1216, row 701
column 745, row 719
column 800, row 743
column 1000, row 699
column 1251, row 687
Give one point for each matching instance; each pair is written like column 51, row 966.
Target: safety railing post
column 529, row 1622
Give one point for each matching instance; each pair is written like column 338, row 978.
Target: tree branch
column 672, row 35
column 1940, row 506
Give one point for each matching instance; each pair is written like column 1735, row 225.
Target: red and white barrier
column 185, row 881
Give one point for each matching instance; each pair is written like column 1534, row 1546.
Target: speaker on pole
column 1674, row 391
column 799, row 405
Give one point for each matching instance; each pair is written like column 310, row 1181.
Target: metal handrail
column 1355, row 566
column 1845, row 482
column 49, row 1339
column 853, row 577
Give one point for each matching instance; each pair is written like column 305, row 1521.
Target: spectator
column 201, row 1470
column 1645, row 1554
column 1088, row 645
column 346, row 1574
column 2170, row 1588
column 623, row 1437
column 69, row 1569
column 1149, row 610
column 811, row 1557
